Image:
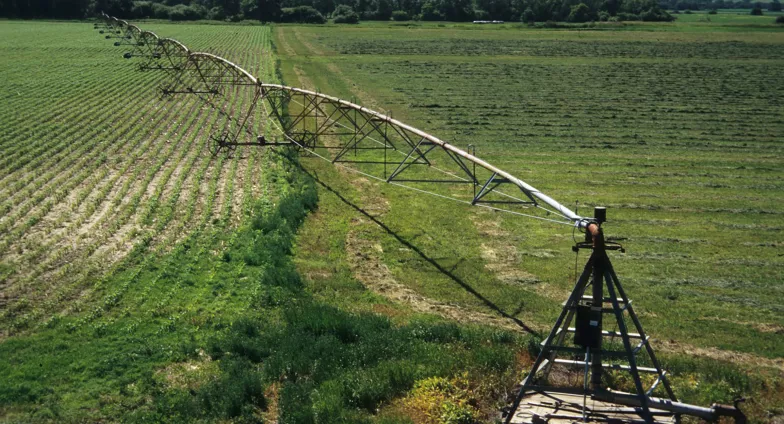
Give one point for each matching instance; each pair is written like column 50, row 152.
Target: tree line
column 349, row 11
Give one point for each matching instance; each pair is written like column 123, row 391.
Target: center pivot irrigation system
column 254, row 113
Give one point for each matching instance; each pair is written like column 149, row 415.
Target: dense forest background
column 351, row 11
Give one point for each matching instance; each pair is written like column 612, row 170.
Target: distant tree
column 344, row 14
column 69, row 9
column 430, row 13
column 780, row 19
column 182, row 12
column 269, row 10
column 528, row 16
column 775, row 6
column 216, row 14
column 111, row 7
column 142, row 9
column 325, row 7
column 611, row 6
column 580, row 13
column 229, row 7
column 497, row 9
column 757, row 11
column 456, row 10
column 384, row 9
column 250, row 9
column 160, row 11
column 481, row 15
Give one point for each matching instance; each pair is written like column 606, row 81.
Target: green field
column 144, row 279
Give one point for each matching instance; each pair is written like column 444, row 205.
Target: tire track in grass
column 367, row 267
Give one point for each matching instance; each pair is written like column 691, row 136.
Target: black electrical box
column 588, row 326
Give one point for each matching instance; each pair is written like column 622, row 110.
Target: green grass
column 145, row 280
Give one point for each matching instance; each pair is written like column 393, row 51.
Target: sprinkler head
column 600, row 214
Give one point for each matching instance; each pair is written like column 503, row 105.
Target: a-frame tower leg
column 587, row 309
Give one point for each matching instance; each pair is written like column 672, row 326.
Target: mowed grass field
column 678, row 134
column 144, row 279
column 676, row 131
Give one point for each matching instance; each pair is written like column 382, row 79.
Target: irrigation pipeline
column 208, row 75
column 348, row 125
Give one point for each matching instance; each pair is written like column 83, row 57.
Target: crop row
column 129, row 173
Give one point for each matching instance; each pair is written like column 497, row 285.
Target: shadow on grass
column 467, row 287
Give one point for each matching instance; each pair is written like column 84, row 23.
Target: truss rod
column 448, row 152
column 374, row 177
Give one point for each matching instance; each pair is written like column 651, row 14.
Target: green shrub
column 655, row 14
column 438, row 333
column 301, row 14
column 757, row 11
column 457, row 413
column 344, row 14
column 430, row 12
column 368, row 388
column 295, row 404
column 493, row 359
column 627, row 17
column 780, row 19
column 349, row 19
column 400, row 16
